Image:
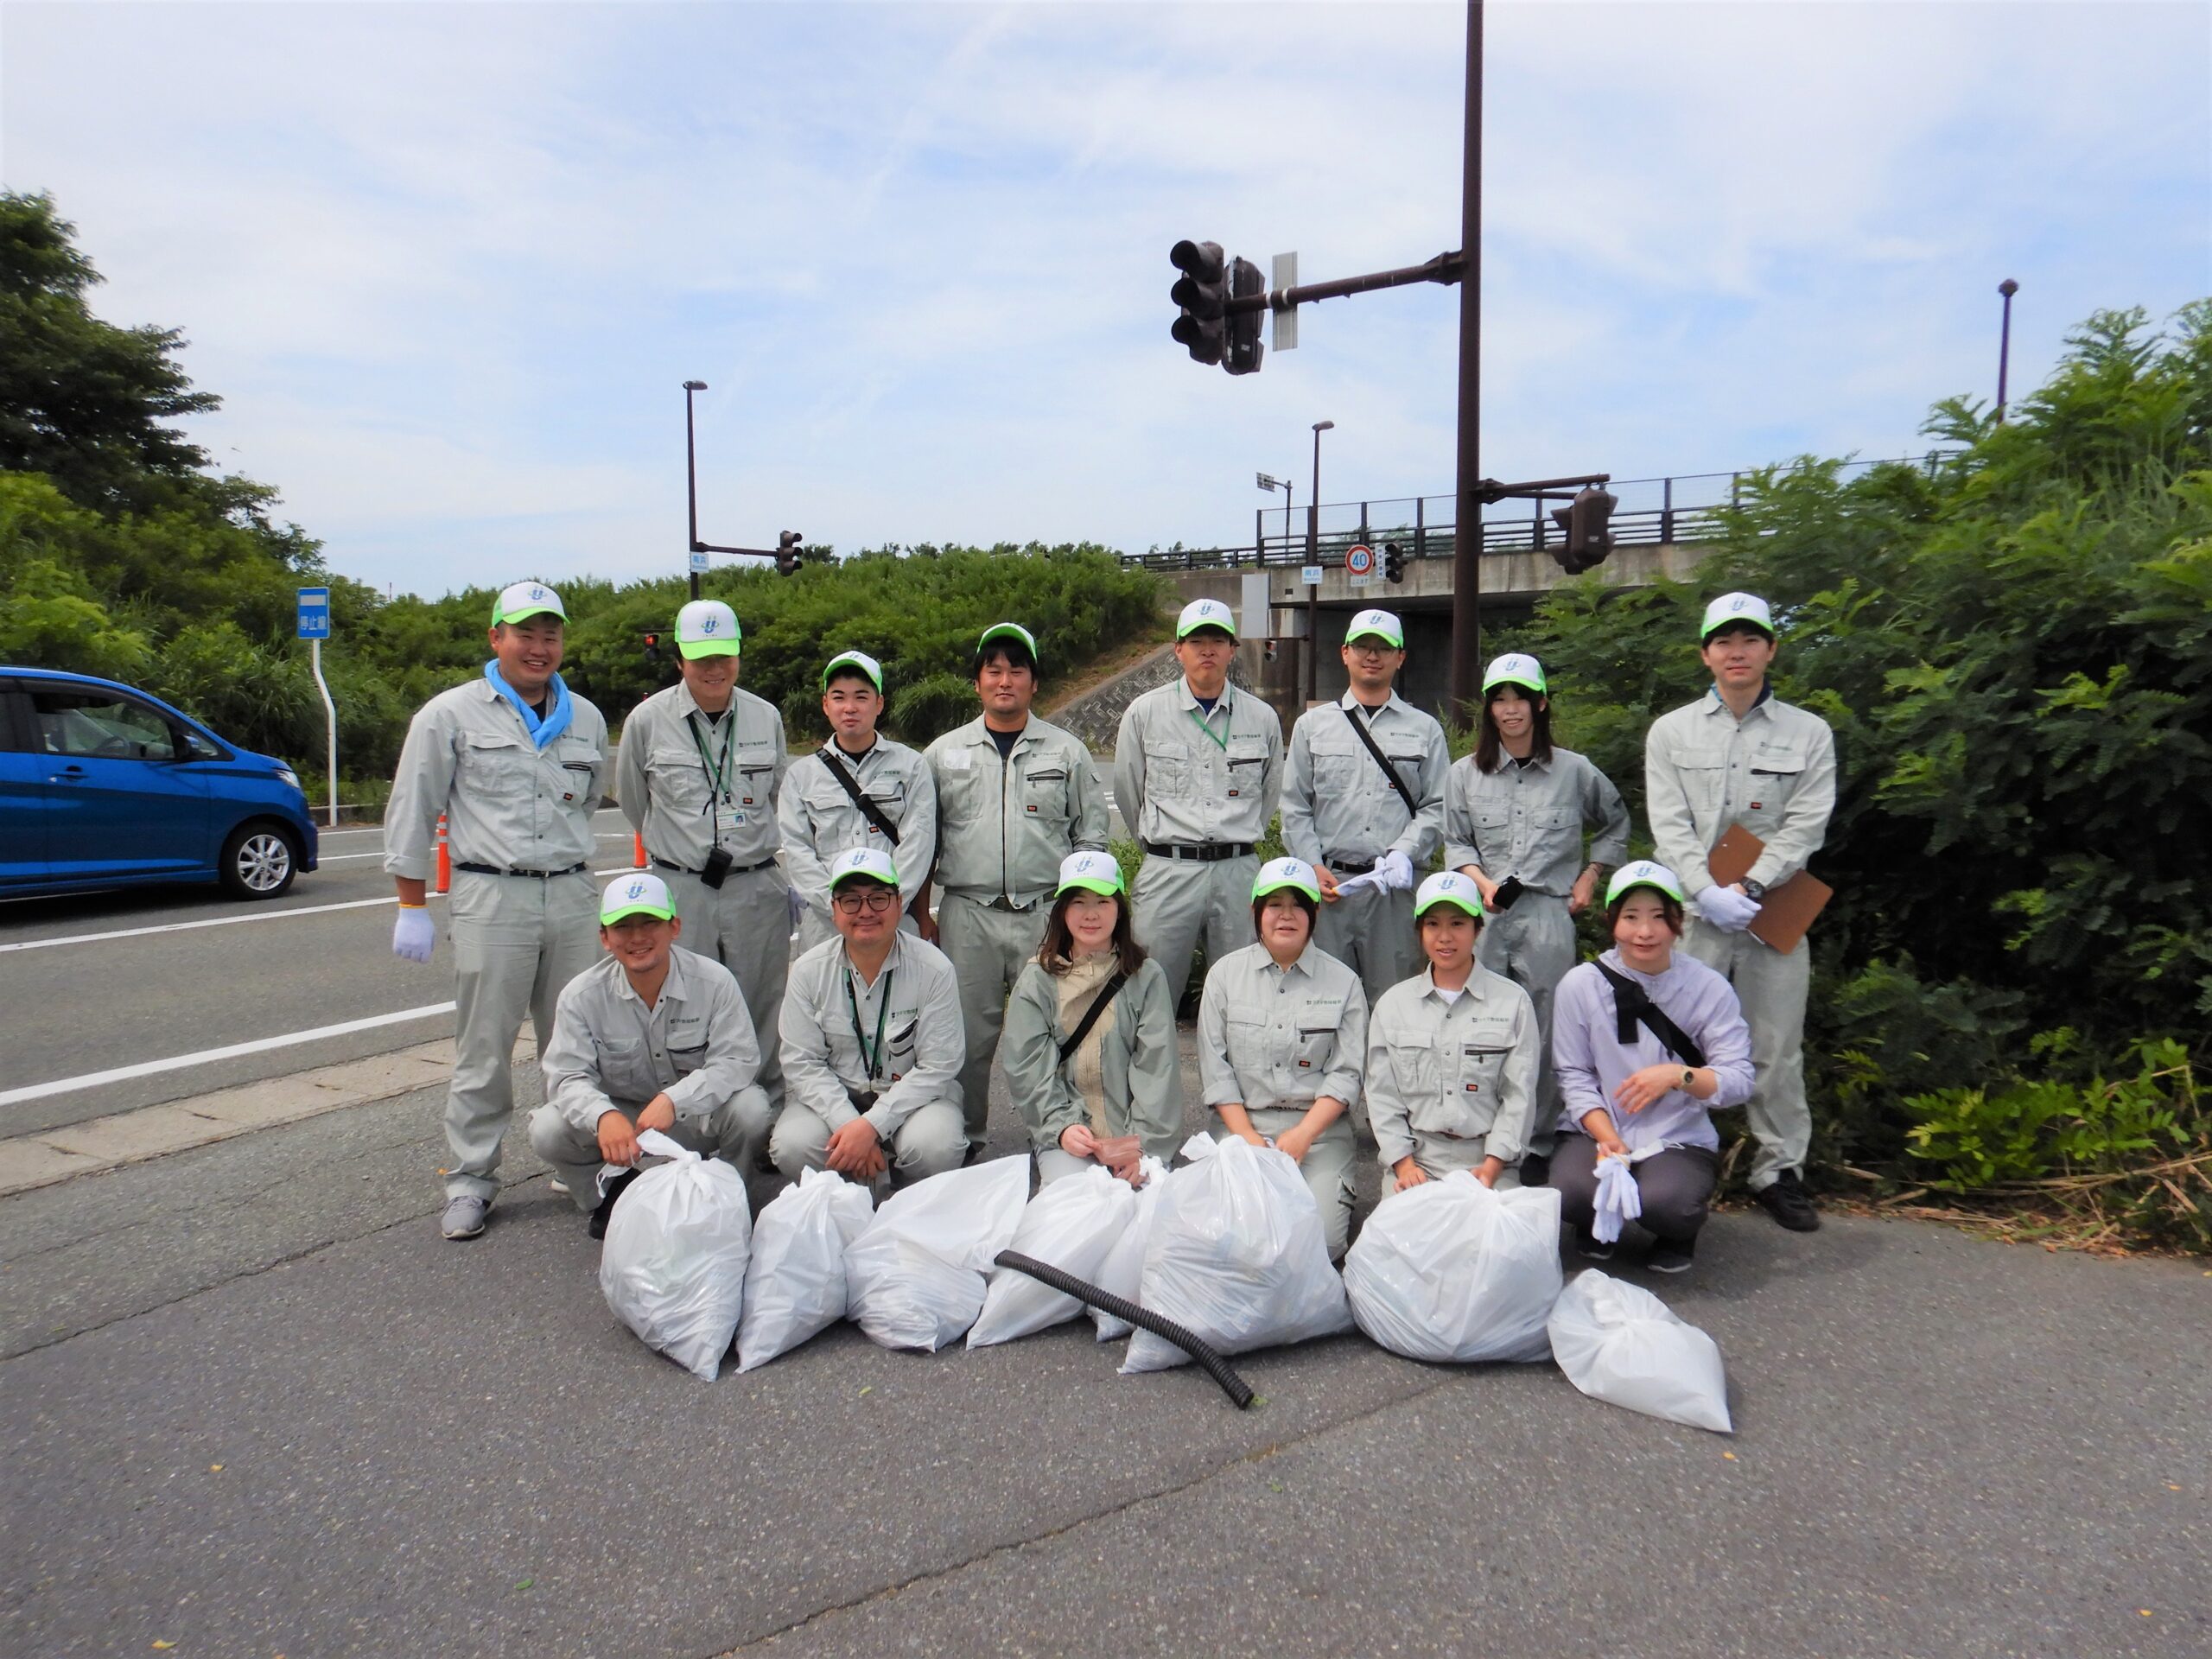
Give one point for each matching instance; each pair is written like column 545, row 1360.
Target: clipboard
column 1789, row 906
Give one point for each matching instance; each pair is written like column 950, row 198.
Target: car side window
column 93, row 727
column 14, row 720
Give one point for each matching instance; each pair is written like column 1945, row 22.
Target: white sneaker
column 464, row 1217
column 559, row 1186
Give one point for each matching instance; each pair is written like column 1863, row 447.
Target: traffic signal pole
column 1467, row 523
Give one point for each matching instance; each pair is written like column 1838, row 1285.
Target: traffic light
column 1584, row 520
column 652, row 648
column 1394, row 562
column 1244, row 348
column 1202, row 293
column 790, row 555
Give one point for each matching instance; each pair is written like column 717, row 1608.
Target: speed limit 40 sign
column 1359, row 565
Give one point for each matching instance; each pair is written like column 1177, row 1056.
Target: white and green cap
column 1279, row 873
column 1205, row 613
column 525, row 599
column 1515, row 668
column 859, row 659
column 863, row 862
column 1737, row 607
column 1096, row 871
column 1009, row 631
column 641, row 893
column 1643, row 872
column 707, row 627
column 1379, row 624
column 1449, row 887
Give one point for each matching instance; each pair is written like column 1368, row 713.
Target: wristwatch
column 1689, row 1076
column 1755, row 891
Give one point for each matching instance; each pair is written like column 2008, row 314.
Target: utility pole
column 1466, row 523
column 692, row 482
column 2008, row 288
column 1313, row 556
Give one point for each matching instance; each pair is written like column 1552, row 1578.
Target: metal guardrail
column 1653, row 512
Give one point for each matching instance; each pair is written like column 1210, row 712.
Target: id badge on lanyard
column 726, row 816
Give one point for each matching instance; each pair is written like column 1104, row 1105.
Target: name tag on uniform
column 959, row 760
column 727, row 820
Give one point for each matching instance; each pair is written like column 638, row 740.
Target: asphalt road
column 250, row 1403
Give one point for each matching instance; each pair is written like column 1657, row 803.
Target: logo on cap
column 537, row 593
column 635, row 890
column 709, row 624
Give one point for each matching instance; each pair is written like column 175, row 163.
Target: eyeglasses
column 853, row 903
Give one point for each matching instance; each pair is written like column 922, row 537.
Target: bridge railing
column 1653, row 512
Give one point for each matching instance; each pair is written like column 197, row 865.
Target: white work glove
column 1394, row 872
column 1352, row 884
column 1618, row 1199
column 797, row 904
column 413, row 933
column 1726, row 908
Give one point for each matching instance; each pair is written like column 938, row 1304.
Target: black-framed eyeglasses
column 853, row 901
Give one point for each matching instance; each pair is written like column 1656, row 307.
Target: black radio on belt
column 719, row 859
column 1506, row 892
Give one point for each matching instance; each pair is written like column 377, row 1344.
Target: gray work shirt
column 1140, row 1074
column 1528, row 820
column 1338, row 808
column 1463, row 1068
column 665, row 785
column 1272, row 1037
column 610, row 1052
column 506, row 802
column 1773, row 772
column 1004, row 825
column 1179, row 777
column 819, row 820
column 924, row 1040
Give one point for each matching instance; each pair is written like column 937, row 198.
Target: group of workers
column 824, row 955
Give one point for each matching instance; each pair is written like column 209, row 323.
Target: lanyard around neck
column 1219, row 742
column 872, row 1057
column 715, row 773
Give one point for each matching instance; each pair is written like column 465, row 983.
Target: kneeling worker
column 651, row 1037
column 872, row 1041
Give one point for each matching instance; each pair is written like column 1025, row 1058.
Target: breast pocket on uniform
column 626, row 1070
column 1335, row 772
column 687, row 1060
column 495, row 765
column 675, row 781
column 1775, row 774
column 1318, row 1020
column 1245, row 773
column 753, row 767
column 1415, row 1067
column 890, row 800
column 899, row 1047
column 1167, row 771
column 1482, row 1071
column 1246, row 1040
column 1045, row 795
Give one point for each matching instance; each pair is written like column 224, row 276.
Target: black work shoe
column 1535, row 1169
column 1790, row 1203
column 597, row 1225
column 1671, row 1255
column 1586, row 1243
column 975, row 1151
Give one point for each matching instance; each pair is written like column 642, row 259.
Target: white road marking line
column 207, row 1056
column 213, row 921
column 341, row 858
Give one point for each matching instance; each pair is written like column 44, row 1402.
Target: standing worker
column 1738, row 755
column 516, row 765
column 1364, row 806
column 1015, row 796
column 1514, row 819
column 702, row 765
column 858, row 790
column 1197, row 767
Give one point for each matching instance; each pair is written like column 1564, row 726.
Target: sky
column 448, row 266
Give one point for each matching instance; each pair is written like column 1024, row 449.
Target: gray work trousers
column 1373, row 934
column 1327, row 1166
column 1439, row 1155
column 932, row 1140
column 517, row 940
column 735, row 1132
column 1177, row 900
column 989, row 949
column 746, row 925
column 1675, row 1186
column 1532, row 944
column 1772, row 989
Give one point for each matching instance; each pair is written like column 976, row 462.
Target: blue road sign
column 314, row 613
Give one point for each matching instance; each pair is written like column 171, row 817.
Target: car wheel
column 258, row 862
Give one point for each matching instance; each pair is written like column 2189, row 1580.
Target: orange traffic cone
column 639, row 863
column 445, row 858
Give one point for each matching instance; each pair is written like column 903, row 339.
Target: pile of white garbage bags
column 673, row 1266
column 1072, row 1225
column 916, row 1275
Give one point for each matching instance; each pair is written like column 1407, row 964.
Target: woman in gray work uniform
column 1121, row 1076
column 1282, row 1030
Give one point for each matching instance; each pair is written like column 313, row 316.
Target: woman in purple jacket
column 1647, row 1045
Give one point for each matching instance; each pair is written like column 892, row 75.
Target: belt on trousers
column 735, row 870
column 494, row 869
column 1003, row 902
column 1349, row 866
column 1212, row 853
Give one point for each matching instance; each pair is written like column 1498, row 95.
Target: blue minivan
column 103, row 786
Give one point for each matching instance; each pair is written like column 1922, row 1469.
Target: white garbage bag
column 1452, row 1270
column 795, row 1288
column 1071, row 1225
column 1620, row 1344
column 1237, row 1256
column 673, row 1264
column 915, row 1278
column 1122, row 1271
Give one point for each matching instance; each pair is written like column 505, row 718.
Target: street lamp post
column 1313, row 556
column 692, row 480
column 1466, row 519
column 2008, row 288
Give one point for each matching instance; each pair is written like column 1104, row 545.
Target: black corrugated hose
column 1198, row 1349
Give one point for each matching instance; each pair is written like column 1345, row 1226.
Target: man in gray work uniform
column 1197, row 767
column 1015, row 795
column 702, row 765
column 1738, row 756
column 516, row 765
column 1363, row 834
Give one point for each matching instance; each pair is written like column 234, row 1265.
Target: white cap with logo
column 863, row 862
column 641, row 893
column 523, row 600
column 1381, row 624
column 707, row 627
column 1205, row 613
column 1737, row 607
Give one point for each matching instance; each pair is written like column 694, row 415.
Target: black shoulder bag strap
column 1359, row 728
column 1630, row 1004
column 1090, row 1014
column 869, row 809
